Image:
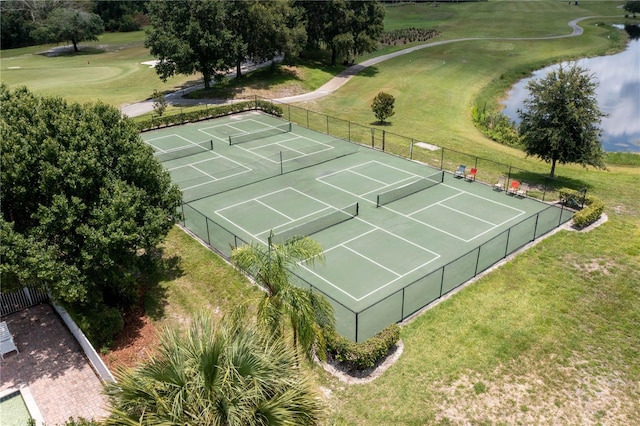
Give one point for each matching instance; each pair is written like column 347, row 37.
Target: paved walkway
column 336, row 82
column 53, row 366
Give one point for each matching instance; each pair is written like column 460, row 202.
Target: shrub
column 208, row 113
column 496, row 126
column 589, row 214
column 99, row 323
column 592, row 210
column 359, row 356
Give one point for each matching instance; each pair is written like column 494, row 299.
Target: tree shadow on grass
column 67, row 51
column 158, row 269
column 261, row 79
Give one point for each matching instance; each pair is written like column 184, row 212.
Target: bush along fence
column 591, row 207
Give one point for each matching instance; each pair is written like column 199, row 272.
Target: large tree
column 632, row 7
column 306, row 311
column 69, row 24
column 82, row 199
column 560, row 120
column 347, row 28
column 192, row 36
column 215, row 373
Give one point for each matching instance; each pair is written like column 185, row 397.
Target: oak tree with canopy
column 192, row 36
column 83, row 204
column 265, row 29
column 347, row 28
column 560, row 120
column 69, row 24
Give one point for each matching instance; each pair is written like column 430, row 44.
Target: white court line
column 485, row 199
column 163, row 151
column 467, row 214
column 251, row 199
column 204, row 130
column 399, row 276
column 271, row 208
column 435, row 204
column 279, row 143
column 371, row 260
column 391, row 184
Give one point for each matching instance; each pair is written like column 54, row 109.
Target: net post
column 357, row 208
column 281, row 165
column 211, row 142
column 377, row 200
column 230, row 140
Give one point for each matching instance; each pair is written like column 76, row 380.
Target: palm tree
column 215, row 373
column 307, row 312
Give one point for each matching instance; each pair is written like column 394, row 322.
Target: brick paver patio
column 53, row 366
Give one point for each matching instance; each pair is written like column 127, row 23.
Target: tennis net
column 409, row 189
column 316, row 225
column 247, row 137
column 174, row 154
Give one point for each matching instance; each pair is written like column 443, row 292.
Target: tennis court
column 397, row 234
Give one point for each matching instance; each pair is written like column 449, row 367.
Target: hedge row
column 593, row 207
column 209, row 113
column 360, row 356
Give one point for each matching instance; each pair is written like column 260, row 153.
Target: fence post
column 308, row 119
column 349, row 130
column 328, row 125
column 477, row 262
column 281, row 166
column 442, row 159
column 442, row 280
column 506, row 246
column 357, row 313
column 372, row 138
column 384, row 133
column 206, row 221
column 535, row 226
column 411, row 149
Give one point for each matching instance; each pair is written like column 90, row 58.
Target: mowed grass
column 109, row 70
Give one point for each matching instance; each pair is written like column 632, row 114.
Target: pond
column 618, row 94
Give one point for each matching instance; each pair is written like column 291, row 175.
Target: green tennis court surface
column 403, row 233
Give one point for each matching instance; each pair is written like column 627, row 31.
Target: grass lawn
column 551, row 337
column 109, row 70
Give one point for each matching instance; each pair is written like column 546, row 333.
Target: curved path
column 339, row 80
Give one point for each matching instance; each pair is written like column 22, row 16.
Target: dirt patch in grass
column 563, row 394
column 134, row 344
